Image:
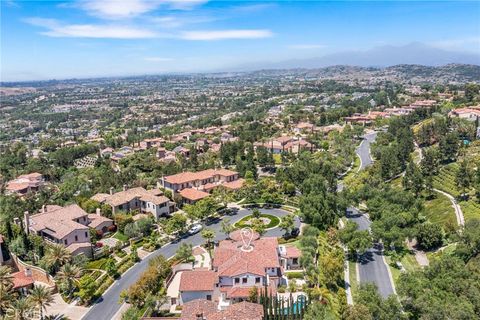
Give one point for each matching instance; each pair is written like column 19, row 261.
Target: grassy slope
column 440, row 211
column 445, row 181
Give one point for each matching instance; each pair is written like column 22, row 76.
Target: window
column 295, row 261
column 257, row 280
column 244, row 280
column 209, row 297
column 153, row 206
column 76, row 238
column 86, row 234
column 237, row 280
column 65, row 241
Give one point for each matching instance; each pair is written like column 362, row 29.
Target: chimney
column 98, row 211
column 111, row 190
column 28, row 272
column 26, row 221
column 124, row 187
column 44, row 208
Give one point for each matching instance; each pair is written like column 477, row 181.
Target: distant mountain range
column 384, row 56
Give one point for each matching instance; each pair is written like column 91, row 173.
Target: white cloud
column 307, row 46
column 56, row 29
column 176, row 21
column 123, row 9
column 117, row 9
column 157, row 59
column 207, row 35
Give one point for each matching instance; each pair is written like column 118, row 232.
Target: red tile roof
column 188, row 176
column 292, row 252
column 234, row 185
column 208, row 310
column 20, row 280
column 197, row 280
column 230, row 260
column 193, row 194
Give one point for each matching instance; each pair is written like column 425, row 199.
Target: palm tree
column 208, row 235
column 42, row 297
column 57, row 256
column 6, row 280
column 56, row 317
column 5, row 300
column 68, row 274
column 20, row 309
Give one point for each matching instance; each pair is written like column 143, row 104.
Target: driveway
column 60, row 307
column 106, row 307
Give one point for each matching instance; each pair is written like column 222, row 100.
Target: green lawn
column 440, row 211
column 446, row 181
column 410, row 263
column 277, row 158
column 448, row 250
column 120, row 236
column 353, row 278
column 274, row 221
column 96, row 264
column 470, row 209
column 393, row 269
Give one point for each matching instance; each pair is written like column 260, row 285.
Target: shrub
column 295, row 275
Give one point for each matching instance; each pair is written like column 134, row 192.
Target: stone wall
column 38, row 273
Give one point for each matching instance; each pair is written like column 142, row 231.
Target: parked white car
column 195, row 228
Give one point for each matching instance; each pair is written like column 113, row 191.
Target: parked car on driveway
column 195, row 228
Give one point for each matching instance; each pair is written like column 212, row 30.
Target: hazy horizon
column 109, row 38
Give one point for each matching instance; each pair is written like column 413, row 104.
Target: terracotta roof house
column 194, row 186
column 207, row 310
column 66, row 225
column 197, row 285
column 471, row 114
column 23, row 184
column 290, row 257
column 236, row 269
column 284, row 144
column 145, row 201
column 191, row 195
column 303, row 127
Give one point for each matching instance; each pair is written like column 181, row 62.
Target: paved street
column 363, row 150
column 109, row 304
column 371, row 266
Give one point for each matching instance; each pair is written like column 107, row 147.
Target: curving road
column 371, row 265
column 363, row 150
column 108, row 305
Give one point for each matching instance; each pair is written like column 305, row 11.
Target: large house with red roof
column 194, row 186
column 236, row 269
column 469, row 113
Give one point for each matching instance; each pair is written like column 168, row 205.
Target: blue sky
column 88, row 38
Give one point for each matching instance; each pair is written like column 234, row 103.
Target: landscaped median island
column 269, row 221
